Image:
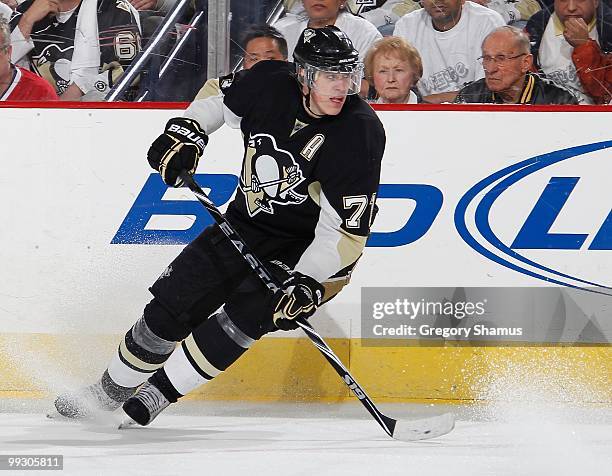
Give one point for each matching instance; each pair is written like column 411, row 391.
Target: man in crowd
column 507, row 60
column 79, row 46
column 261, row 42
column 18, row 84
column 448, row 35
column 557, row 39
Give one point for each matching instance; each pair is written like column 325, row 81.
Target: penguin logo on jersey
column 54, row 64
column 269, row 175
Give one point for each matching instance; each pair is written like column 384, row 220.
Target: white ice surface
column 308, row 439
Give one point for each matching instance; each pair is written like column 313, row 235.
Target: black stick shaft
column 387, row 423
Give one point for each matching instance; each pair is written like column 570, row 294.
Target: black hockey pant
column 207, row 274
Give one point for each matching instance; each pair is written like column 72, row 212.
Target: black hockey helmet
column 327, row 49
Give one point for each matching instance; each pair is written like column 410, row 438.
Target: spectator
column 554, row 36
column 507, row 60
column 385, row 13
column 393, row 67
column 594, row 70
column 79, row 46
column 512, row 11
column 17, row 84
column 262, row 42
column 381, row 13
column 160, row 6
column 320, row 13
column 151, row 13
column 448, row 35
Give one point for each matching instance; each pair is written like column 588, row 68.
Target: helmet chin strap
column 306, row 100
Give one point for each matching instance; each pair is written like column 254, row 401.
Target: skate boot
column 145, row 404
column 104, row 395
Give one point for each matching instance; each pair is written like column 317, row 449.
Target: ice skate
column 144, row 406
column 102, row 396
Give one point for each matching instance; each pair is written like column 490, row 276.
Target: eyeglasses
column 498, row 59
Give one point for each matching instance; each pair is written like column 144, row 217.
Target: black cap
column 326, row 47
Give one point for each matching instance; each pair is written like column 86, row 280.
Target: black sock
column 162, row 382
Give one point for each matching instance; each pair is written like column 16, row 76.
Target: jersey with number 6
column 305, row 183
column 54, row 37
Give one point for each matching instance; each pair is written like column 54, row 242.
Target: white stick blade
column 424, row 428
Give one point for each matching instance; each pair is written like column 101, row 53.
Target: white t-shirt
column 412, row 99
column 555, row 58
column 5, row 11
column 514, row 10
column 387, row 13
column 361, row 32
column 449, row 57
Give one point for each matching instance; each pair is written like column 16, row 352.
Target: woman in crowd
column 320, row 13
column 392, row 68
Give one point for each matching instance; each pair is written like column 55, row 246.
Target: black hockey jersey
column 305, row 182
column 51, row 57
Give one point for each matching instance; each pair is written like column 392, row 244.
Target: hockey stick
column 257, row 186
column 406, row 430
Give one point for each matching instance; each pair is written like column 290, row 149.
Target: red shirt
column 27, row 86
column 594, row 70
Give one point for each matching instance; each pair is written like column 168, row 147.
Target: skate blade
column 55, row 415
column 92, row 418
column 127, row 424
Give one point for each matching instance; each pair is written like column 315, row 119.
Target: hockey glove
column 300, row 297
column 178, row 148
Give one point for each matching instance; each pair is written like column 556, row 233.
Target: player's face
column 503, row 63
column 584, row 9
column 319, row 10
column 5, row 67
column 443, row 11
column 259, row 49
column 393, row 78
column 329, row 92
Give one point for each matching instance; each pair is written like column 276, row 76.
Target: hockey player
column 305, row 203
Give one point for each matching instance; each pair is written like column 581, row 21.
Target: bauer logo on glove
column 189, row 134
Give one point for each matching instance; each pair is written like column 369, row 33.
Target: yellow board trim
column 292, row 369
